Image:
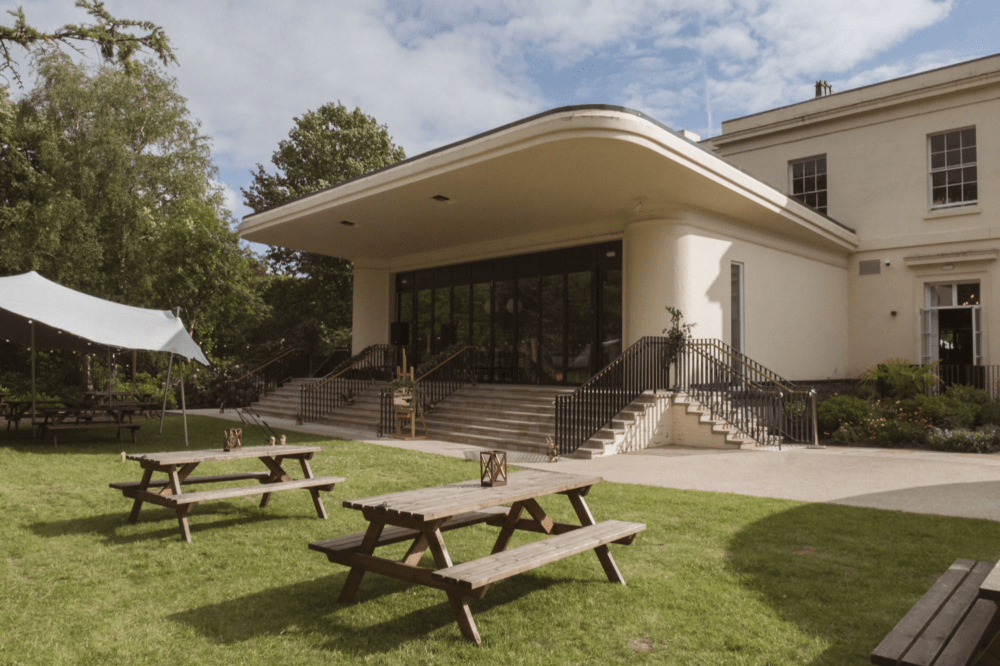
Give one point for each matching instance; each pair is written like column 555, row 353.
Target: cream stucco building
column 557, row 241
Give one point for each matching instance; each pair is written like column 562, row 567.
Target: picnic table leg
column 317, row 500
column 182, row 512
column 509, row 525
column 137, row 504
column 603, row 552
column 459, row 604
column 367, row 547
column 278, row 473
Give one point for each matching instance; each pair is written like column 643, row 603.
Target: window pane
column 821, row 165
column 970, row 192
column 941, row 296
column 797, row 186
column 797, row 170
column 968, row 294
column 969, row 174
column 937, row 143
column 954, row 157
column 954, row 176
column 939, row 178
column 811, row 199
column 810, row 183
column 969, row 155
column 528, row 310
column 821, row 201
column 939, row 195
column 503, row 331
column 611, row 316
column 810, row 167
column 580, row 327
column 952, row 140
column 954, row 194
column 969, row 137
column 821, row 182
column 553, row 353
column 937, row 160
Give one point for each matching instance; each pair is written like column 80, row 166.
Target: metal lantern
column 493, row 468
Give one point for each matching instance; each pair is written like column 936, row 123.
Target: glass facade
column 543, row 318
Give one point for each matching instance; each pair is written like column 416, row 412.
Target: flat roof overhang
column 569, row 167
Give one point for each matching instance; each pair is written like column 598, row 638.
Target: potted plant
column 677, row 336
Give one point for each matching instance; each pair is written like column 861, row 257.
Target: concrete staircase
column 522, row 417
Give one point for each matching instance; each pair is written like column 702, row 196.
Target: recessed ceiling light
column 347, row 223
column 440, row 197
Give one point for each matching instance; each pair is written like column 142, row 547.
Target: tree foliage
column 107, row 186
column 325, row 147
column 114, row 38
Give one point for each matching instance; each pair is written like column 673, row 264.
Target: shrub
column 900, row 378
column 891, row 433
column 969, row 394
column 840, row 410
column 845, row 434
column 940, row 412
column 989, row 414
column 984, row 440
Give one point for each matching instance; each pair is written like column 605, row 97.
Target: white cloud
column 437, row 72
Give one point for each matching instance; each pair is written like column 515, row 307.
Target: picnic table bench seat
column 949, row 624
column 212, row 478
column 478, row 574
column 325, row 483
column 395, row 534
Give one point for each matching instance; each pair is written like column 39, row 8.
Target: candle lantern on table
column 493, row 468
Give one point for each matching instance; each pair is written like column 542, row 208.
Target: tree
column 325, row 147
column 112, row 191
column 112, row 36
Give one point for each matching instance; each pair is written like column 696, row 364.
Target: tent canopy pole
column 166, row 389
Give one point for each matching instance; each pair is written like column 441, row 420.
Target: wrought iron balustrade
column 239, row 393
column 341, row 386
column 760, row 404
column 435, row 385
column 594, row 404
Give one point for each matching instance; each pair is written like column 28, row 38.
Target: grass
column 715, row 579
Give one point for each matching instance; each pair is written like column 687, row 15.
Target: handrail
column 434, row 385
column 339, row 388
column 240, row 392
column 594, row 404
column 377, row 349
column 757, row 402
column 266, row 363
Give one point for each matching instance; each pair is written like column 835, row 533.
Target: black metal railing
column 434, row 385
column 340, row 387
column 754, row 400
column 240, row 392
column 593, row 405
column 985, row 377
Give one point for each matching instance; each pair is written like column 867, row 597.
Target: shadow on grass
column 846, row 575
column 114, row 528
column 386, row 614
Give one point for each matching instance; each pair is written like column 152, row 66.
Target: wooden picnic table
column 421, row 516
column 83, row 414
column 178, row 465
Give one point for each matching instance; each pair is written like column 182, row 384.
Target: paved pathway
column 948, row 484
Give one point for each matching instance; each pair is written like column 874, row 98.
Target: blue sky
column 437, row 72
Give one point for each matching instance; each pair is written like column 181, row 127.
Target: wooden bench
column 214, row 478
column 949, row 623
column 325, row 483
column 92, row 424
column 393, row 534
column 478, row 575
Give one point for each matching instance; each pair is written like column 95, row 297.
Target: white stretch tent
column 40, row 313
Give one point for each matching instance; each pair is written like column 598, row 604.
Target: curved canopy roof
column 573, row 167
column 68, row 319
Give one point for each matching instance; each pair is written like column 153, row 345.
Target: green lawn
column 715, row 579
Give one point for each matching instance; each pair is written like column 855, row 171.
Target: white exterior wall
column 373, row 308
column 795, row 305
column 877, row 174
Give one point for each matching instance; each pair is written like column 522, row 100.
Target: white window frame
column 816, row 189
column 960, row 170
column 930, row 344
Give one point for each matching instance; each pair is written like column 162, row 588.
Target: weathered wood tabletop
column 178, row 466
column 422, row 515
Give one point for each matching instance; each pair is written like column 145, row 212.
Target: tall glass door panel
column 528, row 347
column 552, row 355
column 580, row 330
